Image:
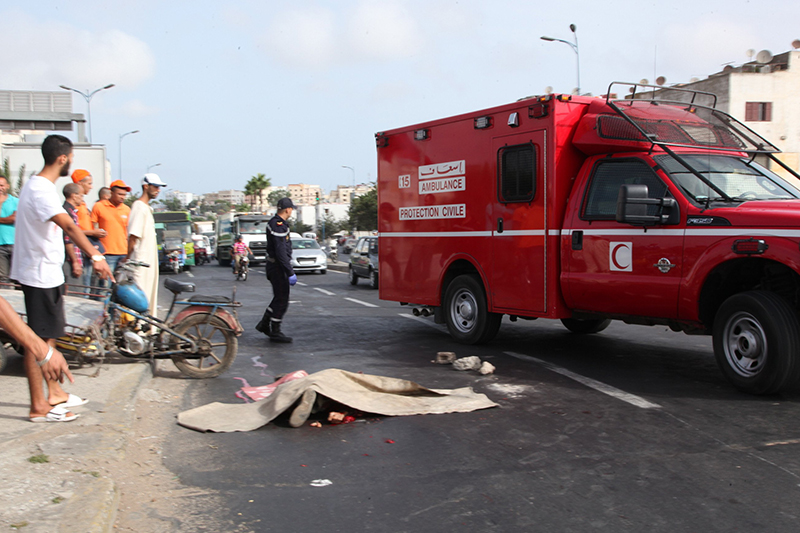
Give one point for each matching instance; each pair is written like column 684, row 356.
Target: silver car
column 307, row 256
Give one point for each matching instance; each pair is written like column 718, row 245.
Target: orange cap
column 80, row 175
column 120, row 184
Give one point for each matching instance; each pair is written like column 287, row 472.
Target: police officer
column 279, row 271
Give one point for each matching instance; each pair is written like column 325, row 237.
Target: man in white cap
column 142, row 244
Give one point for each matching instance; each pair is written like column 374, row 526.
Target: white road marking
column 323, row 291
column 189, row 274
column 338, row 272
column 632, row 399
column 302, row 284
column 422, row 320
column 360, row 302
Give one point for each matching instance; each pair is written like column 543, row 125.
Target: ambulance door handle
column 499, row 225
column 577, row 240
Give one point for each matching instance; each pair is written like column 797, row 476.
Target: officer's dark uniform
column 279, row 269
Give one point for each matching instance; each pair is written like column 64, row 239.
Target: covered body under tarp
column 368, row 393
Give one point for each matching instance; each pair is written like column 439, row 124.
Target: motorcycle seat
column 177, row 287
column 210, row 299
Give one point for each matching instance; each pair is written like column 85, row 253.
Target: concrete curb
column 78, row 451
column 94, row 510
column 338, row 266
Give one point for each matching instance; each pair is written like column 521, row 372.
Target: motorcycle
column 174, row 259
column 333, row 254
column 201, row 339
column 244, row 268
column 200, row 256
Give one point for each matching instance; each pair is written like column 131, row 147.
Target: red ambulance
column 655, row 210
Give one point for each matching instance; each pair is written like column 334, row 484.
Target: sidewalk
column 71, row 491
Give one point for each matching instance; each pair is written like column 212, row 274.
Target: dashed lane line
column 599, row 386
column 366, row 304
column 323, row 291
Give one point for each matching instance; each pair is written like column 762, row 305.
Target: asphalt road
column 632, row 429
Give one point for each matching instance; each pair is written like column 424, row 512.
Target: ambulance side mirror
column 632, row 203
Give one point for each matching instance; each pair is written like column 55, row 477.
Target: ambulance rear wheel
column 576, row 325
column 467, row 313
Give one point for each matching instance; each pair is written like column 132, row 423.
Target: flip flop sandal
column 73, row 401
column 59, row 413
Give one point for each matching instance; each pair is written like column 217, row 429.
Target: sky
column 222, row 91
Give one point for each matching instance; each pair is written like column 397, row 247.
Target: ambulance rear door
column 518, row 274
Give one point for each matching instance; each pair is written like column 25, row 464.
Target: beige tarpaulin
column 371, row 394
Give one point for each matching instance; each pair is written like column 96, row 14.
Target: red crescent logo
column 614, row 257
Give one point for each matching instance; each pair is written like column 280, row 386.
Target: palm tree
column 257, row 184
column 250, row 192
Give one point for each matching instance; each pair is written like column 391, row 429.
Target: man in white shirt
column 142, row 244
column 38, row 260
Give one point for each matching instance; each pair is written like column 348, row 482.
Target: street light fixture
column 88, row 96
column 574, row 47
column 120, row 149
column 152, row 166
column 352, row 194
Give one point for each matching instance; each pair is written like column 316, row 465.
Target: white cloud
column 43, row 54
column 383, row 30
column 137, row 108
column 317, row 37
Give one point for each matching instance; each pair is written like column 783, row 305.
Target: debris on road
column 445, row 358
column 472, row 362
column 486, row 368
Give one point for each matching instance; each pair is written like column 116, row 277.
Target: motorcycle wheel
column 176, row 267
column 217, row 346
column 244, row 275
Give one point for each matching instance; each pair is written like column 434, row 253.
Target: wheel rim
column 464, row 311
column 213, row 341
column 745, row 345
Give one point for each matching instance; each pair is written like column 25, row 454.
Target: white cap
column 153, row 179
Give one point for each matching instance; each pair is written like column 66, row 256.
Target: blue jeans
column 112, row 261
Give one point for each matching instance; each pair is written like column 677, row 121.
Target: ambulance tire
column 467, row 313
column 756, row 342
column 583, row 327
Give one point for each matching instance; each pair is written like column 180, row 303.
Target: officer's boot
column 275, row 334
column 264, row 324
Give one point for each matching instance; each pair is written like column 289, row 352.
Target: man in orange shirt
column 112, row 216
column 84, row 179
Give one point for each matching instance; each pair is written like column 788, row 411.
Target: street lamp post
column 152, row 166
column 574, row 47
column 353, row 194
column 88, row 96
column 120, row 149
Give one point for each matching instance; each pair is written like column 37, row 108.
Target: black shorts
column 45, row 310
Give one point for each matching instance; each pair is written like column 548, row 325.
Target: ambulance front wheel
column 467, row 313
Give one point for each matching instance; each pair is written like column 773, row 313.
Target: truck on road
column 650, row 211
column 252, row 226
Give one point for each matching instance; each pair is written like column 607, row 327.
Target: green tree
column 173, row 204
column 364, row 211
column 255, row 186
column 300, row 227
column 7, row 169
column 132, row 198
column 222, row 206
column 276, row 195
column 331, row 225
column 241, row 208
column 20, row 181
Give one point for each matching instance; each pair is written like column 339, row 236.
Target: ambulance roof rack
column 679, row 121
column 686, row 123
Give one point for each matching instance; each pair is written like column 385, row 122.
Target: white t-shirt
column 38, row 242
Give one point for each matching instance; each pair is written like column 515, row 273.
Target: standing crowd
column 44, row 242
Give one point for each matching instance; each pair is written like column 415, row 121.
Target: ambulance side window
column 516, row 167
column 601, row 197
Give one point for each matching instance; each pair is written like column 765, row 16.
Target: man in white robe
column 142, row 244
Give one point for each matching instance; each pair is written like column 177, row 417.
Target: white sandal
column 59, row 413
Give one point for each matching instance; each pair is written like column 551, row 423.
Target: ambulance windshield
column 734, row 179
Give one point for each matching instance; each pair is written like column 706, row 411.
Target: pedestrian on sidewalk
column 38, row 260
column 142, row 243
column 83, row 178
column 112, row 216
column 73, row 266
column 8, row 212
column 279, row 272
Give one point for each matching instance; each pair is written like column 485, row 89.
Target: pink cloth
column 261, row 392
